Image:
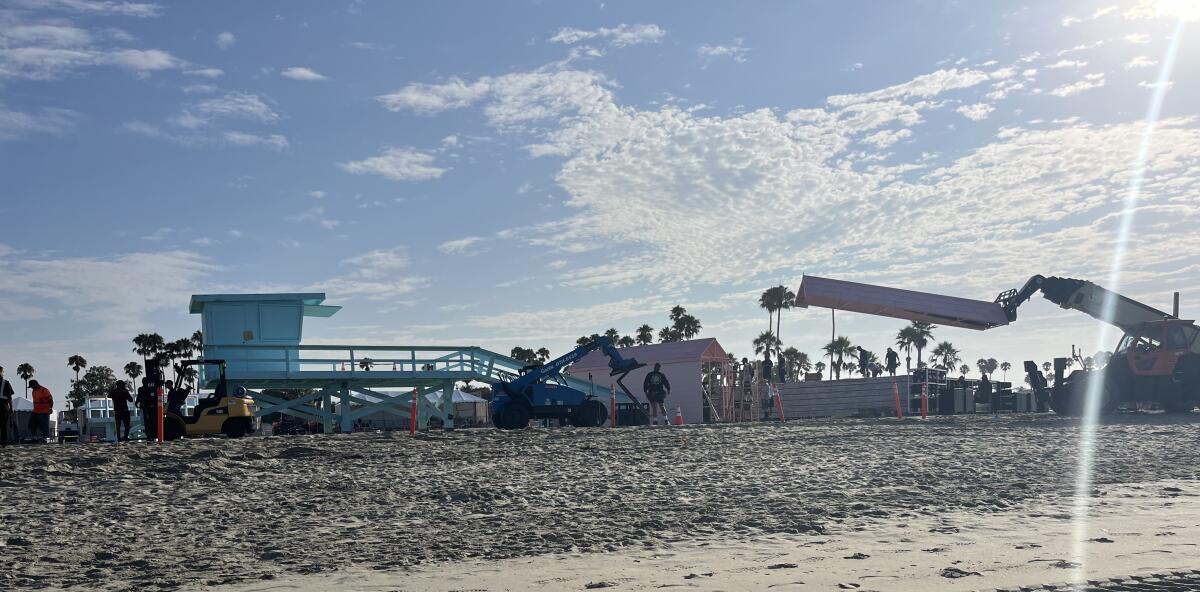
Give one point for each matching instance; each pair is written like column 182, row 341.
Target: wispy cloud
column 460, row 246
column 225, row 40
column 15, row 125
column 735, row 52
column 302, row 73
column 619, row 36
column 397, row 164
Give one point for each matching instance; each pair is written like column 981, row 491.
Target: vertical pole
column 924, row 400
column 779, row 405
column 448, row 406
column 612, row 404
column 160, row 397
column 345, row 397
column 896, row 395
column 412, row 417
column 326, row 411
column 1175, row 307
column 832, row 338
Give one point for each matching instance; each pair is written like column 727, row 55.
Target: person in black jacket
column 657, row 387
column 147, row 402
column 892, row 359
column 6, row 395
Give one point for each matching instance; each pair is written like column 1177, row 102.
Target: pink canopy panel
column 901, row 304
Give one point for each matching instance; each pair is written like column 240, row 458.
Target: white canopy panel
column 901, row 304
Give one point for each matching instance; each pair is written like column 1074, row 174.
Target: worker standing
column 120, row 403
column 864, row 361
column 176, row 398
column 43, row 406
column 657, row 387
column 781, row 369
column 985, row 393
column 147, row 403
column 892, row 359
column 6, row 395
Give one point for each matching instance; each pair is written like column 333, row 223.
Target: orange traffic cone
column 678, row 416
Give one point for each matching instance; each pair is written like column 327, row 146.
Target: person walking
column 43, row 406
column 892, row 359
column 120, row 403
column 657, row 387
column 6, row 395
column 864, row 361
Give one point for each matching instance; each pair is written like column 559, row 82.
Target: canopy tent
column 458, row 397
column 901, row 304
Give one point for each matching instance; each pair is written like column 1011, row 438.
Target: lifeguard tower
column 260, row 338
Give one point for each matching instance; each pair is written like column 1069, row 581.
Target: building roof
column 693, row 350
column 310, row 300
column 900, row 304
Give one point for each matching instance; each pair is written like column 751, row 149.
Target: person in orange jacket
column 43, row 406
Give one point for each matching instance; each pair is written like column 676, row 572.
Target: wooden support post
column 412, row 418
column 924, row 400
column 448, row 406
column 344, row 397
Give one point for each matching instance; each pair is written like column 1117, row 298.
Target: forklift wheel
column 173, row 428
column 234, row 427
column 589, row 414
column 514, row 416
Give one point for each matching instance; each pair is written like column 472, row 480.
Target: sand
column 627, row 509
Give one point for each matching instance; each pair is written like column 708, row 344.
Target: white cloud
column 1066, row 64
column 1154, row 85
column 1089, row 82
column 619, row 36
column 47, row 51
column 1138, row 38
column 275, row 142
column 976, row 112
column 460, row 246
column 97, row 7
column 885, row 138
column 205, row 72
column 316, row 194
column 1140, row 62
column 302, row 73
column 143, row 60
column 736, row 52
column 318, row 216
column 226, row 40
column 926, row 85
column 375, row 275
column 231, row 106
column 397, row 164
column 15, row 125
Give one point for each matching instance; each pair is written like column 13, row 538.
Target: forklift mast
column 1085, row 297
column 617, row 364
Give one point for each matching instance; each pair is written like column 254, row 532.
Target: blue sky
column 509, row 174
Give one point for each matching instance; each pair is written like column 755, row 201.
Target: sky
column 523, row 173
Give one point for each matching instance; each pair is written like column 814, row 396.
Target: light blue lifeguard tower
column 259, row 336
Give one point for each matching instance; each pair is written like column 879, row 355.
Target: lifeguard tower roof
column 311, row 301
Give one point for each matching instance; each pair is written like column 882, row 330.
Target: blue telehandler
column 540, row 392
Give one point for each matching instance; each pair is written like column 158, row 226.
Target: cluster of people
column 146, row 402
column 39, row 418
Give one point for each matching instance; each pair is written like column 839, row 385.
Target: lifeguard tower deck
column 259, row 336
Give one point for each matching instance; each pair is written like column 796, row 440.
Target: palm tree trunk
column 779, row 326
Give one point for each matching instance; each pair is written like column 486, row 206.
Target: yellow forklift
column 218, row 413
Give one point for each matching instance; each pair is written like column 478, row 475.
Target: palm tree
column 992, row 365
column 904, row 341
column 785, row 299
column 645, row 335
column 612, row 334
column 77, row 363
column 626, row 341
column 25, row 371
column 771, row 300
column 133, row 370
column 1046, row 366
column 688, row 326
column 677, row 312
column 946, row 356
column 668, row 335
column 148, row 345
column 543, row 355
column 766, row 343
column 964, row 369
column 188, row 376
column 198, row 341
column 819, row 367
column 922, row 334
column 797, row 363
column 365, row 364
column 839, row 348
column 1005, row 367
column 982, row 364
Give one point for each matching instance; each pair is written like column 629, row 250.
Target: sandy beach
column 952, row 503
